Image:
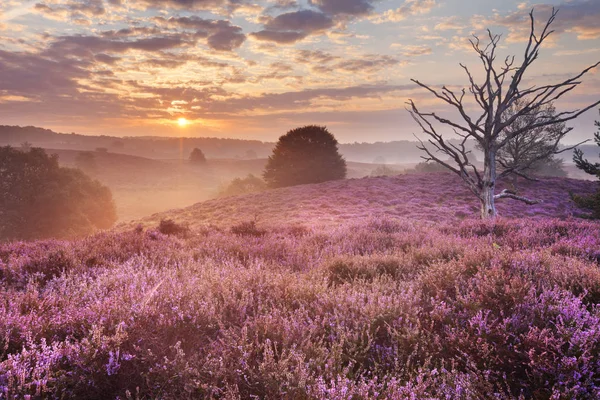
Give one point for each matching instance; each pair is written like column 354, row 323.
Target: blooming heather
column 379, row 307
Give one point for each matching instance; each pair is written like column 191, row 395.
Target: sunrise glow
column 255, row 69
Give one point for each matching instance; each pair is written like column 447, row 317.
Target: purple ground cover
column 381, row 306
column 432, row 197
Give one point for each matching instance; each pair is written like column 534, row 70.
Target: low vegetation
column 375, row 309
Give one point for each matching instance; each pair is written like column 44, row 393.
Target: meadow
column 383, row 300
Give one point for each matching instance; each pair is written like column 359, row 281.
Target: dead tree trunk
column 488, row 187
column 499, row 91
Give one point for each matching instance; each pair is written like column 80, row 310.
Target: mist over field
column 151, row 175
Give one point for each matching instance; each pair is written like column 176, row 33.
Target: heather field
column 380, row 288
column 431, row 197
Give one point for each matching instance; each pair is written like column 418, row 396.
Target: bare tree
column 499, row 92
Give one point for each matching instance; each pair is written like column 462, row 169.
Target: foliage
column 239, row 186
column 305, row 155
column 375, row 309
column 429, row 167
column 384, row 170
column 582, row 163
column 197, row 156
column 247, row 228
column 170, row 227
column 551, row 166
column 532, row 150
column 591, row 202
column 39, row 199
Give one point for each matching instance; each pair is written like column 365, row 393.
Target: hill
column 377, row 288
column 393, row 152
column 434, row 197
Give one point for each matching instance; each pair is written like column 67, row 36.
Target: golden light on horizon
column 183, row 122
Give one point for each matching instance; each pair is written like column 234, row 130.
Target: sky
column 254, row 69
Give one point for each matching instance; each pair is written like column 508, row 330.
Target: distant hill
column 395, row 152
column 162, row 148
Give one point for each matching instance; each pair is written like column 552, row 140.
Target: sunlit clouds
column 254, row 69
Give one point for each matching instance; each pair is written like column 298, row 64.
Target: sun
column 182, row 122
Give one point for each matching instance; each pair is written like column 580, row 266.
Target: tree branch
column 507, row 194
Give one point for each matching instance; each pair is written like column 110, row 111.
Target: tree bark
column 488, row 187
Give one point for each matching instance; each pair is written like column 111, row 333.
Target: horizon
column 253, row 71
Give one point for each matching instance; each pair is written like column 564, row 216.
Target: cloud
column 369, row 63
column 82, row 45
column 345, row 7
column 409, row 8
column 579, row 17
column 32, row 75
column 450, row 23
column 89, row 8
column 315, row 57
column 326, row 63
column 413, row 50
column 221, row 34
column 294, row 26
column 191, row 5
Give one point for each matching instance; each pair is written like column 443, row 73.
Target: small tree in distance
column 305, row 155
column 499, row 91
column 533, row 151
column 197, row 156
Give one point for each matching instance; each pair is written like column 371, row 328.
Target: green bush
column 305, row 155
column 39, row 199
column 592, row 202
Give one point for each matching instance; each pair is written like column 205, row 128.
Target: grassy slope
column 427, row 197
column 346, row 291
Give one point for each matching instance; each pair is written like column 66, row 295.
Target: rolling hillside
column 433, row 197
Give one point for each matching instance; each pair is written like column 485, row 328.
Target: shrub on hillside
column 239, row 186
column 40, row 199
column 384, row 170
column 247, row 228
column 429, row 167
column 86, row 161
column 305, row 155
column 170, row 227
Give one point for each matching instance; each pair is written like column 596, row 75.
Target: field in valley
column 144, row 186
column 378, row 288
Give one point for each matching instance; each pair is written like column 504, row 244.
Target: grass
column 393, row 297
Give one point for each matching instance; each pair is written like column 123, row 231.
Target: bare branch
column 507, row 194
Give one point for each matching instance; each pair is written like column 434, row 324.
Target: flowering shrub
column 377, row 308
